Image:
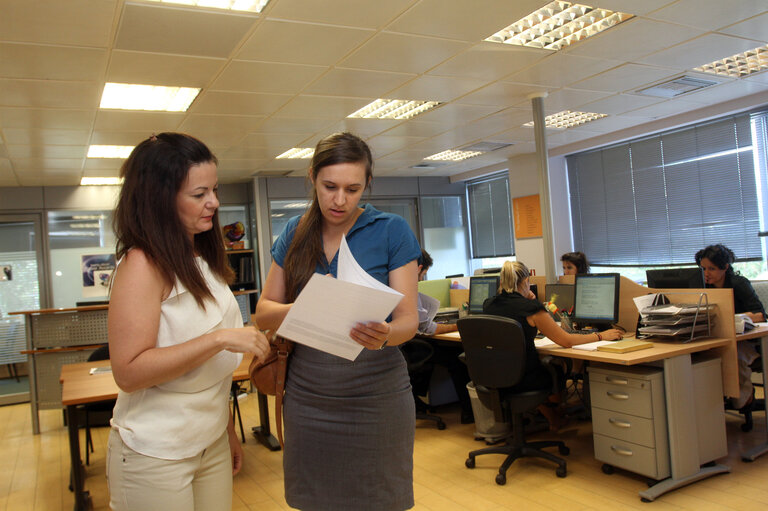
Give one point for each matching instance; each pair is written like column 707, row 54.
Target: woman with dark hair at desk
column 516, row 301
column 717, row 263
column 574, row 263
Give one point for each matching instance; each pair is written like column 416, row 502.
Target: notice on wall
column 527, row 212
column 97, row 272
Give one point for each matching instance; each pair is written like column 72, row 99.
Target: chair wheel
column 563, row 450
column 560, row 472
column 501, row 479
column 441, row 425
column 470, row 463
column 643, row 499
column 607, row 469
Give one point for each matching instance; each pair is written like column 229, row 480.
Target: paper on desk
column 591, row 346
column 544, row 342
column 643, row 301
column 326, row 309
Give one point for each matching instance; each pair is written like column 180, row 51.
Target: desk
column 80, row 387
column 678, row 391
column 762, row 334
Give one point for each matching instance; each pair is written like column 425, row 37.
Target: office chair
column 418, row 355
column 101, row 353
column 494, row 349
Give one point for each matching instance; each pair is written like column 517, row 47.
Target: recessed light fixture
column 741, row 64
column 394, row 109
column 127, row 96
column 453, row 155
column 567, row 119
column 297, row 153
column 557, row 25
column 109, row 151
column 233, row 5
column 100, row 181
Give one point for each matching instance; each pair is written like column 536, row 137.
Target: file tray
column 677, row 321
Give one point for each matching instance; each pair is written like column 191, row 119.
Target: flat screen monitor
column 596, row 299
column 676, row 278
column 561, row 295
column 481, row 288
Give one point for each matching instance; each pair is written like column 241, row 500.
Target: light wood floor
column 34, row 472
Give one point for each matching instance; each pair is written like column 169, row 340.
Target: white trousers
column 141, row 483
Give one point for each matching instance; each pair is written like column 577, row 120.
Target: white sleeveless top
column 179, row 418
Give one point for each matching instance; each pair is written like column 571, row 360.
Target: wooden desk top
column 755, row 333
column 80, row 387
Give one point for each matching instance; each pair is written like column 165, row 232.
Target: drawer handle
column 618, row 381
column 618, row 395
column 621, row 424
column 622, row 451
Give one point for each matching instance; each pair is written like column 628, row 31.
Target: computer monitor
column 596, row 300
column 561, row 295
column 676, row 278
column 481, row 288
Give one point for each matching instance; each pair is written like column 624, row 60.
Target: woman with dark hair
column 175, row 335
column 575, row 263
column 717, row 263
column 516, row 301
column 349, row 425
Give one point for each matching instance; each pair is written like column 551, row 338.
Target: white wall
column 524, row 181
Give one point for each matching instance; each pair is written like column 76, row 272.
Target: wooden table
column 80, row 387
column 761, row 333
column 679, row 392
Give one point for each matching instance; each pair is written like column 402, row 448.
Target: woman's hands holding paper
column 371, row 335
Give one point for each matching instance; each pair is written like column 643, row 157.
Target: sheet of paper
column 643, row 301
column 591, row 346
column 327, row 308
column 544, row 342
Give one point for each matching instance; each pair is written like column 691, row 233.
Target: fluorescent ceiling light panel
column 453, row 155
column 394, row 109
column 741, row 64
column 109, row 151
column 233, row 5
column 557, row 25
column 100, row 181
column 126, row 96
column 297, row 153
column 567, row 119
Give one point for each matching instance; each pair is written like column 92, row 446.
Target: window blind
column 490, row 214
column 659, row 199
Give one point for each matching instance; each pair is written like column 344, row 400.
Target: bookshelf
column 245, row 274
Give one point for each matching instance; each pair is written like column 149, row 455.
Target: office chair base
column 426, row 416
column 527, row 450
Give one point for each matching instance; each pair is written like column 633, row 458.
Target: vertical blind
column 490, row 214
column 659, row 199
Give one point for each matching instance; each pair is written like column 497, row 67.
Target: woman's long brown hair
column 306, row 249
column 146, row 216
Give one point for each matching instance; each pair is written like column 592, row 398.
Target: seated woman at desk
column 717, row 263
column 574, row 263
column 516, row 301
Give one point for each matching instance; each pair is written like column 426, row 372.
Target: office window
column 659, row 199
column 490, row 218
column 445, row 235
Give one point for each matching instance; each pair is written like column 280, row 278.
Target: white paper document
column 544, row 342
column 327, row 308
column 591, row 346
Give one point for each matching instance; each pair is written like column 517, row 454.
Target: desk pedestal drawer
column 633, row 457
column 627, row 428
column 622, row 399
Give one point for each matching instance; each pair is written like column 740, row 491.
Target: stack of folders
column 677, row 321
column 625, row 346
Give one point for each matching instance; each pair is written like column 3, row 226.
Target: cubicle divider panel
column 48, row 371
column 71, row 328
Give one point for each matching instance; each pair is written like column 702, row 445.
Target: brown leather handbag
column 268, row 376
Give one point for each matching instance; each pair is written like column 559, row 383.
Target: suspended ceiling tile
column 364, row 128
column 759, row 77
column 571, row 135
column 181, row 31
column 46, row 118
column 358, row 83
column 459, row 19
column 57, row 165
column 453, row 114
column 49, row 179
column 663, row 109
column 402, row 53
column 113, row 172
column 127, row 138
column 74, row 22
column 241, row 153
column 45, row 137
column 420, row 129
column 383, row 144
column 48, row 93
column 301, row 43
column 753, row 28
column 321, row 107
column 621, row 103
column 158, row 69
column 51, row 62
column 218, row 102
column 437, row 88
column 232, row 166
column 47, row 151
column 266, row 77
column 148, row 122
column 699, row 51
column 709, row 14
column 274, row 141
column 570, row 99
column 625, row 77
column 301, row 126
column 561, row 70
column 350, row 13
column 726, row 92
column 633, row 39
column 104, row 167
column 233, row 123
column 490, row 61
column 632, row 6
column 503, row 94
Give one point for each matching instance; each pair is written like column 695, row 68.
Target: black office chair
column 494, row 349
column 418, row 355
column 102, row 408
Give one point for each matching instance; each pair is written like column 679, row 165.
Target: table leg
column 82, row 497
column 262, row 433
column 682, row 430
column 759, row 450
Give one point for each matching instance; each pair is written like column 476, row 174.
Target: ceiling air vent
column 486, row 147
column 676, row 87
column 428, row 166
